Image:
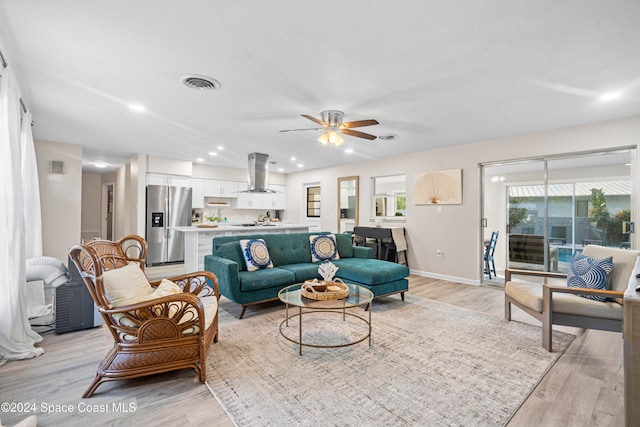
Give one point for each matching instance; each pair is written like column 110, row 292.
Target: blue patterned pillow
column 256, row 254
column 323, row 247
column 587, row 272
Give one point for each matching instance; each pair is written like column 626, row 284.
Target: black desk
column 382, row 241
column 372, row 237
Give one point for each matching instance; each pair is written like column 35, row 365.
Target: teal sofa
column 291, row 257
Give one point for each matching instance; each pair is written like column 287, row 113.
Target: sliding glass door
column 547, row 209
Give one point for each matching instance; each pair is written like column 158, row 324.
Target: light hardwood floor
column 584, row 388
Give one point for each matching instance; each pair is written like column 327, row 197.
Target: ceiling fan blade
column 313, row 119
column 358, row 134
column 295, row 130
column 359, row 124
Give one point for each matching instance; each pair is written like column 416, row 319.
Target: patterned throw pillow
column 256, row 254
column 323, row 247
column 587, row 272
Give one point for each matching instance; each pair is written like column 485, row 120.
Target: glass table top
column 358, row 295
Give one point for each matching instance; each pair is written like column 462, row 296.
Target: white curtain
column 30, row 190
column 17, row 339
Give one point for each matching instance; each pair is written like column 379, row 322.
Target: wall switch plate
column 439, row 209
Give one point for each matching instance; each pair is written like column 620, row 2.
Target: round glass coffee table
column 358, row 296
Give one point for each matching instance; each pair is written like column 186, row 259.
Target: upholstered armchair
column 570, row 306
column 157, row 327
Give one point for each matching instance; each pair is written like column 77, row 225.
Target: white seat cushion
column 578, row 306
column 527, row 294
column 530, row 295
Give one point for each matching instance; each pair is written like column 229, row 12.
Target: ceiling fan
column 331, row 122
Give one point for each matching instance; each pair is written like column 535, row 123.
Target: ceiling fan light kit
column 331, row 122
column 331, row 137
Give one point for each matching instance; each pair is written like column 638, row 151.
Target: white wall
column 60, row 197
column 231, row 174
column 91, row 214
column 122, row 207
column 456, row 231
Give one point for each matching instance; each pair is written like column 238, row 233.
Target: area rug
column 430, row 363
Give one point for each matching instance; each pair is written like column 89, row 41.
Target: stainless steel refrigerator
column 167, row 207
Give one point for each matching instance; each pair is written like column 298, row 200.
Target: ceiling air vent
column 199, row 82
column 388, row 137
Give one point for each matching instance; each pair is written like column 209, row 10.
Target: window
column 313, row 202
column 389, row 196
column 582, row 208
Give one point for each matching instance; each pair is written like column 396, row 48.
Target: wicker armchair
column 160, row 335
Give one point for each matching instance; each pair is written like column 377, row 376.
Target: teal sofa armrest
column 362, row 252
column 227, row 273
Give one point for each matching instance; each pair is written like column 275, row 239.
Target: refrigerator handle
column 167, row 203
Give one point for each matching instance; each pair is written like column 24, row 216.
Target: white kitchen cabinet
column 275, row 201
column 262, row 201
column 214, row 188
column 197, row 193
column 163, row 179
column 249, row 201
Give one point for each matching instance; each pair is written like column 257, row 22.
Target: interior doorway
column 547, row 209
column 106, row 227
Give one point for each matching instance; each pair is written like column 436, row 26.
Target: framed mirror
column 347, row 203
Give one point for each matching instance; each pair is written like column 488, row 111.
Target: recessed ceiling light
column 348, row 150
column 609, row 96
column 220, row 147
column 136, row 107
column 100, row 164
column 280, row 169
column 293, row 159
column 199, row 159
column 213, row 153
column 300, row 165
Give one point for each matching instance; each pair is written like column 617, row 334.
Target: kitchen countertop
column 197, row 240
column 239, row 227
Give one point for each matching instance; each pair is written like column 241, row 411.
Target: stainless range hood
column 258, row 173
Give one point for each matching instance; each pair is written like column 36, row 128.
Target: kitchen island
column 197, row 241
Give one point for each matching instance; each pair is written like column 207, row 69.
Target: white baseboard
column 444, row 277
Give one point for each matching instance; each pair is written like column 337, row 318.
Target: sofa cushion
column 303, row 271
column 530, row 295
column 265, row 278
column 256, row 254
column 591, row 273
column 323, row 247
column 288, row 248
column 345, row 245
column 233, row 252
column 527, row 294
column 369, row 271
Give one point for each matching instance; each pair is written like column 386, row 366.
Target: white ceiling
column 435, row 73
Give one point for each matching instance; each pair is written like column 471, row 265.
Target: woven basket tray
column 321, row 290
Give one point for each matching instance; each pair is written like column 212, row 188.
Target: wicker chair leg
column 92, row 388
column 203, row 370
